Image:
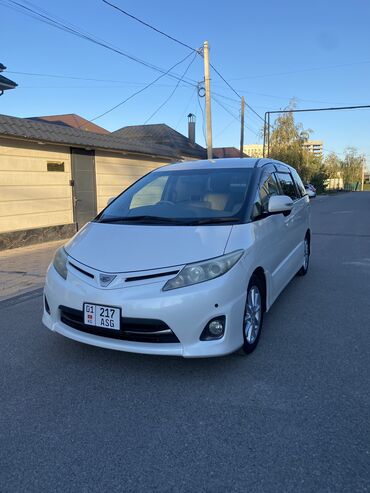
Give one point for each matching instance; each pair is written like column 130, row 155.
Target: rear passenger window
column 287, row 185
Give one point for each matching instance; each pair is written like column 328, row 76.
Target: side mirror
column 280, row 203
column 110, row 200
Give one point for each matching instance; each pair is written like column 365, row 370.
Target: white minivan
column 185, row 262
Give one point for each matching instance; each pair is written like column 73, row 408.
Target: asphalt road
column 292, row 417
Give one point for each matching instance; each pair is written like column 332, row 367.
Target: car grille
column 132, row 329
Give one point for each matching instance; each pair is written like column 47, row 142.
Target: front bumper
column 186, row 311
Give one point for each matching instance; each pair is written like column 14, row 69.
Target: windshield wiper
column 139, row 219
column 215, row 220
column 168, row 220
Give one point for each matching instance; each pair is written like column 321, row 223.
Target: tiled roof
column 59, row 134
column 162, row 134
column 72, row 120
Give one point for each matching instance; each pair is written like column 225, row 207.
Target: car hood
column 129, row 248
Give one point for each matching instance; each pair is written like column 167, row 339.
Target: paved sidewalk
column 23, row 269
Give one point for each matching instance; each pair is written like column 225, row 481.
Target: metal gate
column 84, row 186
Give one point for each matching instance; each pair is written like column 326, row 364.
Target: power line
column 94, row 88
column 302, row 70
column 44, row 16
column 235, row 92
column 134, row 83
column 254, row 112
column 181, row 43
column 274, row 96
column 59, row 76
column 186, row 108
column 74, row 30
column 235, row 117
column 225, row 108
column 231, row 122
column 172, row 92
column 226, row 97
column 66, row 88
column 69, row 29
column 140, row 90
column 227, row 83
column 150, row 26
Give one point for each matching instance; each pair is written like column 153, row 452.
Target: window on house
column 55, row 166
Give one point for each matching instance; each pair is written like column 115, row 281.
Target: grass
column 367, row 187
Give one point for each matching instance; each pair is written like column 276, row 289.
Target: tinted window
column 287, row 185
column 267, row 188
column 298, row 182
column 183, row 196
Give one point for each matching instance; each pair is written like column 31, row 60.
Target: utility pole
column 363, row 175
column 242, row 126
column 207, row 82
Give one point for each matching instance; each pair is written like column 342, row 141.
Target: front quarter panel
column 245, row 236
column 264, row 247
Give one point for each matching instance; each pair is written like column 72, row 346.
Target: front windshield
column 195, row 196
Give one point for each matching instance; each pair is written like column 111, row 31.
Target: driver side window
column 268, row 187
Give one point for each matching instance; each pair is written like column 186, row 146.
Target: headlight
column 60, row 262
column 203, row 271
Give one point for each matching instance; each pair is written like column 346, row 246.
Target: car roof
column 218, row 164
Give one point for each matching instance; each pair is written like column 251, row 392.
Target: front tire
column 306, row 258
column 253, row 315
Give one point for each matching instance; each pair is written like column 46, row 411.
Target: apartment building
column 313, row 146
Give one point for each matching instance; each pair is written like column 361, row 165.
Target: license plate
column 105, row 317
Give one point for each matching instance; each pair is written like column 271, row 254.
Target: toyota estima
column 185, row 261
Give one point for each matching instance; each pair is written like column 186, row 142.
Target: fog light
column 214, row 329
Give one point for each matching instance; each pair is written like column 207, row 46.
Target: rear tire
column 253, row 314
column 306, row 258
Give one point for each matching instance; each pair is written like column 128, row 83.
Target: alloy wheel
column 253, row 314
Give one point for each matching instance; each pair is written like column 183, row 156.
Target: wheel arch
column 308, row 235
column 259, row 272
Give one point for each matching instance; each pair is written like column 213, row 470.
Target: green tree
column 351, row 167
column 319, row 179
column 333, row 165
column 286, row 144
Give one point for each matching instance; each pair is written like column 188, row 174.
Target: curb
column 21, row 297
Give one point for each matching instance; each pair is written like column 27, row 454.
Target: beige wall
column 31, row 196
column 253, row 150
column 115, row 172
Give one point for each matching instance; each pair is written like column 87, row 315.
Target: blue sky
column 269, row 51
